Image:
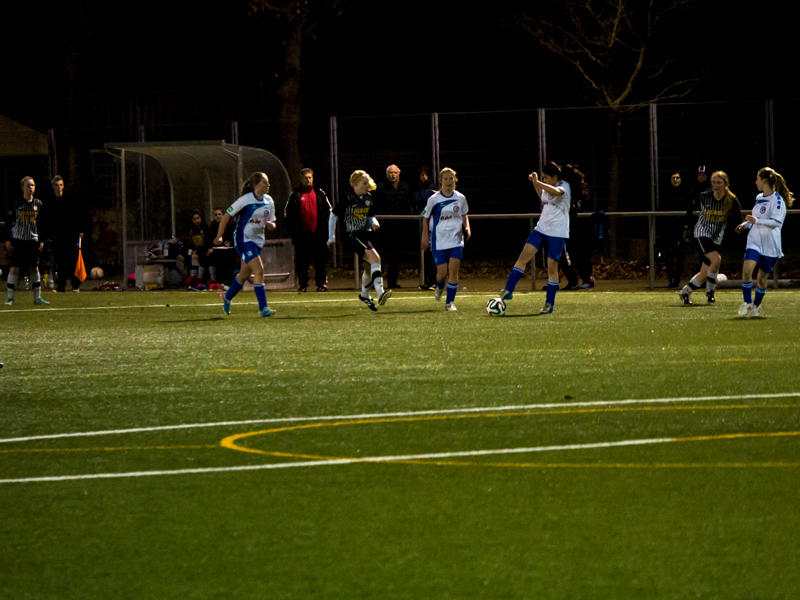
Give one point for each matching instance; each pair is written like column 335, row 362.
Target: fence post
column 334, row 139
column 769, row 115
column 651, row 219
column 435, row 143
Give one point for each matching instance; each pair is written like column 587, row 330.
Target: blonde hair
column 776, row 181
column 448, row 170
column 24, row 179
column 358, row 175
column 729, row 197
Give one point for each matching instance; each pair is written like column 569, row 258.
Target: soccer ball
column 96, row 273
column 721, row 278
column 496, row 307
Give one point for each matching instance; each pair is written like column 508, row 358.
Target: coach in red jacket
column 307, row 212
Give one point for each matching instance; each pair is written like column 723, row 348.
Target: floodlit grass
column 625, row 446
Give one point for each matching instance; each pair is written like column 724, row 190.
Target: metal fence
column 493, row 152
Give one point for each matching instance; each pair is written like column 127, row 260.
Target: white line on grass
column 341, row 461
column 417, row 413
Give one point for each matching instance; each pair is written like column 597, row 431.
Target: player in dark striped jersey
column 22, row 241
column 355, row 211
column 715, row 208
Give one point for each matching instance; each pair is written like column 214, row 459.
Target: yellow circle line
column 230, row 442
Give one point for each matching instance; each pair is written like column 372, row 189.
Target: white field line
column 449, row 411
column 219, row 303
column 341, row 461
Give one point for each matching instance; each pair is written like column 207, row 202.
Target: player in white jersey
column 446, row 223
column 255, row 211
column 764, row 239
column 552, row 228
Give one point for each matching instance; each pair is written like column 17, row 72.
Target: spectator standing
column 66, row 222
column 392, row 197
column 307, row 212
column 22, row 240
column 671, row 230
column 423, row 189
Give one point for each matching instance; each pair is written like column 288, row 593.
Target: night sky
column 411, row 57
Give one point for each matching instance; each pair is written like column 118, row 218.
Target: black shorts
column 706, row 245
column 24, row 254
column 359, row 242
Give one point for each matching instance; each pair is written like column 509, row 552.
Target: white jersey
column 765, row 234
column 253, row 215
column 444, row 219
column 555, row 212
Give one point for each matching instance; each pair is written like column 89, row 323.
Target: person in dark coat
column 393, row 197
column 306, row 214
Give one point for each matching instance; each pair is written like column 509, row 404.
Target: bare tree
column 627, row 54
column 297, row 21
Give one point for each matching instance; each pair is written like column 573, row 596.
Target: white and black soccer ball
column 96, row 273
column 496, row 307
column 721, row 278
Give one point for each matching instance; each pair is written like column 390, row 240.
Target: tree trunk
column 289, row 96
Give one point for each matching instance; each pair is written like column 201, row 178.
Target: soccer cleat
column 10, row 302
column 451, row 306
column 267, row 312
column 41, row 301
column 322, row 288
column 384, row 297
column 744, row 309
column 369, row 302
column 546, row 309
column 753, row 311
column 437, row 294
column 505, row 295
column 710, row 297
column 303, row 288
column 685, row 298
column 226, row 305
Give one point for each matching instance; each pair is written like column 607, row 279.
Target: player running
column 555, row 192
column 356, row 213
column 447, row 212
column 715, row 207
column 764, row 239
column 255, row 212
column 22, row 241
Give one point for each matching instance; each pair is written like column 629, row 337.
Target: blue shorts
column 441, row 257
column 765, row 263
column 247, row 251
column 555, row 245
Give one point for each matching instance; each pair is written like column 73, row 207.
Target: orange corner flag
column 80, row 270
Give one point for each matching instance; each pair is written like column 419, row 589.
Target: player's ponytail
column 777, row 183
column 252, row 182
column 577, row 184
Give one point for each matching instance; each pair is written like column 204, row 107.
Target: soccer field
column 625, row 446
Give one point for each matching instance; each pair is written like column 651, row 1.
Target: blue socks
column 261, row 295
column 747, row 292
column 759, row 295
column 236, row 287
column 452, row 288
column 513, row 278
column 552, row 288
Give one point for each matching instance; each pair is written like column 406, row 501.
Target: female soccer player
column 715, row 207
column 356, row 212
column 22, row 241
column 256, row 212
column 552, row 229
column 447, row 210
column 764, row 239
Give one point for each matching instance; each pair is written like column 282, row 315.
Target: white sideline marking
column 219, row 303
column 341, row 461
column 417, row 413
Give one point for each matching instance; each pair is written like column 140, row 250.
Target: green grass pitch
column 625, row 446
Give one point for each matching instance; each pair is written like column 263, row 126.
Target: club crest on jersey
column 367, row 202
column 763, row 209
column 455, row 209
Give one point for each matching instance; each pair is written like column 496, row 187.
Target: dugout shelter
column 161, row 183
